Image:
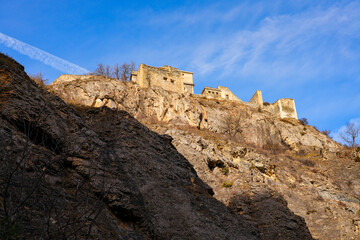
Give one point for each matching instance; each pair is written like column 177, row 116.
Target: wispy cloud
column 204, row 15
column 286, row 45
column 42, row 56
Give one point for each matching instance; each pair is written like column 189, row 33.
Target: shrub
column 225, row 170
column 39, row 79
column 311, row 211
column 227, row 184
column 326, row 132
column 234, row 123
column 303, row 121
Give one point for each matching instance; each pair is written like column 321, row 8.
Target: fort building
column 167, row 77
column 283, row 108
column 175, row 80
column 219, row 93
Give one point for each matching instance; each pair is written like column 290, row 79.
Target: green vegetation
column 311, row 211
column 227, row 184
column 225, row 170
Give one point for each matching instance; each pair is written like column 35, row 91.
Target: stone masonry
column 167, row 77
column 219, row 93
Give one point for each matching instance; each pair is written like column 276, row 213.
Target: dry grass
column 291, row 121
column 9, row 62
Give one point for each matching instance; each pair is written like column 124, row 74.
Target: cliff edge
column 95, row 173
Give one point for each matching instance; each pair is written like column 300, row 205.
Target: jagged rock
column 267, row 185
column 324, row 192
column 260, row 128
column 96, row 172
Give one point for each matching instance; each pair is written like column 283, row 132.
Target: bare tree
column 233, row 123
column 350, row 134
column 100, row 70
column 126, row 69
column 108, row 71
column 122, row 72
column 38, row 78
column 326, row 132
column 116, row 71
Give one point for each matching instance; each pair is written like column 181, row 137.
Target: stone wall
column 189, row 88
column 227, row 94
column 283, row 108
column 168, row 78
column 257, row 98
column 219, row 93
column 209, row 92
column 188, row 81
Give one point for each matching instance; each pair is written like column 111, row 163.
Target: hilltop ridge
column 260, row 127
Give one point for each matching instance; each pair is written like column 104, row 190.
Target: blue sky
column 302, row 49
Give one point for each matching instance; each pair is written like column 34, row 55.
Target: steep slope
column 98, row 173
column 258, row 126
column 271, row 164
column 324, row 191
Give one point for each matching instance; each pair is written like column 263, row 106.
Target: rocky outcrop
column 262, row 184
column 260, row 127
column 97, row 173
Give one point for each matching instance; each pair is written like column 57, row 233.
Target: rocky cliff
column 262, row 167
column 259, row 127
column 75, row 172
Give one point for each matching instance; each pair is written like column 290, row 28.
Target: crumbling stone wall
column 257, row 98
column 172, row 79
column 283, row 108
column 219, row 93
column 227, row 94
column 188, row 81
column 168, row 78
column 209, row 92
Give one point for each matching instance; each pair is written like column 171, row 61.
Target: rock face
column 259, row 184
column 97, row 173
column 259, row 127
column 272, row 169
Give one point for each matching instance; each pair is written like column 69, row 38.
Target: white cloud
column 283, row 46
column 41, row 55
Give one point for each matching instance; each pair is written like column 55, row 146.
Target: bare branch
column 350, row 134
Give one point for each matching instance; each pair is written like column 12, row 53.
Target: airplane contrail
column 42, row 56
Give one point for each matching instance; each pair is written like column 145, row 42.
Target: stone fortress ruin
column 169, row 78
column 175, row 80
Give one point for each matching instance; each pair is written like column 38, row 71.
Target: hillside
column 76, row 164
column 272, row 163
column 96, row 173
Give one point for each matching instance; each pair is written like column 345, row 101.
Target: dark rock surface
column 99, row 174
column 96, row 173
